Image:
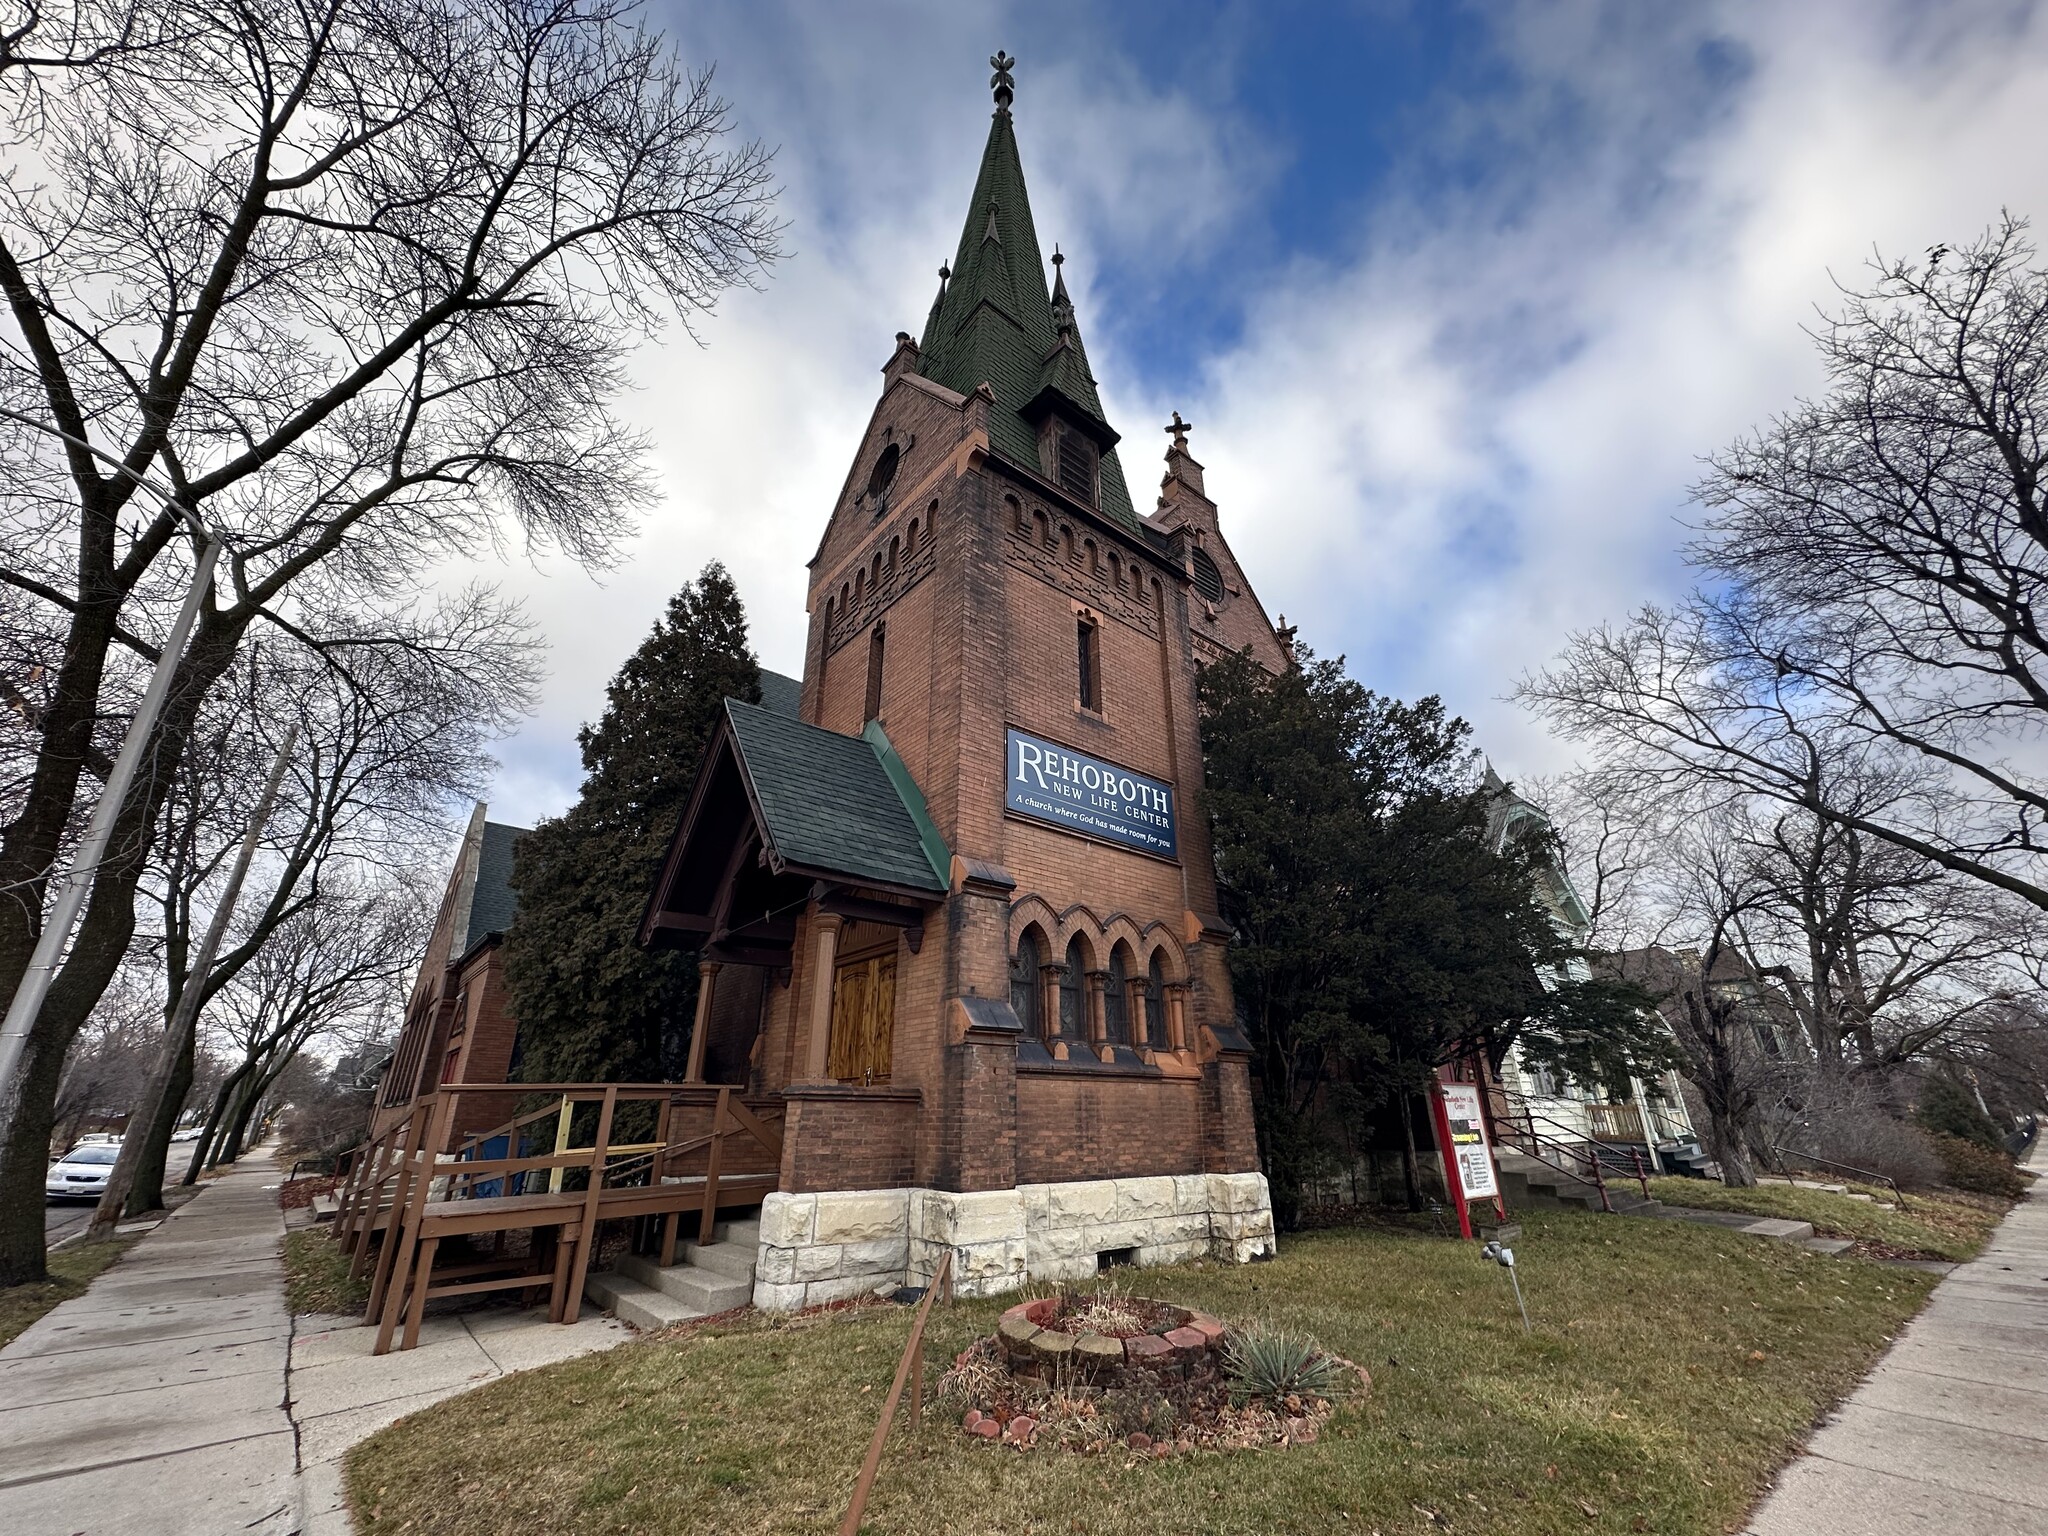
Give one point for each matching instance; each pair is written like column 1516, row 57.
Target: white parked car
column 81, row 1173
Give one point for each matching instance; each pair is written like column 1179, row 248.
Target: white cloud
column 1438, row 449
column 1477, row 435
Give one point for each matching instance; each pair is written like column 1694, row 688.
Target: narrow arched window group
column 1069, row 998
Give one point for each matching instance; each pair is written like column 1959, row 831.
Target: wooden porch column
column 707, row 980
column 824, row 964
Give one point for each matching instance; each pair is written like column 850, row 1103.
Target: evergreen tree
column 1381, row 935
column 592, row 1005
column 1947, row 1108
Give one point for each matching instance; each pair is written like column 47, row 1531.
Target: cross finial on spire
column 1180, row 429
column 1005, row 85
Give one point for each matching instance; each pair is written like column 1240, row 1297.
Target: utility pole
column 77, row 880
column 27, row 1002
column 185, row 1017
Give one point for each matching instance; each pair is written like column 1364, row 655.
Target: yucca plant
column 1260, row 1361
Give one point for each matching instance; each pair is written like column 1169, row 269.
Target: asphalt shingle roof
column 780, row 695
column 492, row 904
column 994, row 322
column 830, row 802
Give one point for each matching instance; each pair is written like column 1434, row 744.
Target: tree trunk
column 1731, row 1149
column 147, row 1192
column 102, row 941
column 1408, row 1158
column 201, row 1147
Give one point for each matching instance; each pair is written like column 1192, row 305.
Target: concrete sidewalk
column 155, row 1403
column 1949, row 1434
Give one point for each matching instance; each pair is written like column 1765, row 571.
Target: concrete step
column 325, row 1207
column 1831, row 1246
column 631, row 1302
column 733, row 1259
column 705, row 1290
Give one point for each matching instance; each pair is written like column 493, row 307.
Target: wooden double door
column 863, row 1018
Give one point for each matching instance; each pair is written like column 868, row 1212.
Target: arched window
column 875, row 570
column 911, row 542
column 1074, row 993
column 893, row 548
column 1155, row 1004
column 1094, row 558
column 885, row 470
column 1116, row 997
column 1042, row 531
column 1017, row 519
column 1208, row 577
column 1025, row 966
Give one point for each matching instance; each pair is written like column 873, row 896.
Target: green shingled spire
column 994, row 320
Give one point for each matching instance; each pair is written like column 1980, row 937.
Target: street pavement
column 172, row 1399
column 60, row 1221
column 1949, row 1434
column 155, row 1403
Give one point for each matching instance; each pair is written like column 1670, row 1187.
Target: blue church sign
column 1052, row 783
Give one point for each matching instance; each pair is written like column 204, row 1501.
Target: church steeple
column 994, row 321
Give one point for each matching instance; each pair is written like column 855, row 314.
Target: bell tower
column 1005, row 995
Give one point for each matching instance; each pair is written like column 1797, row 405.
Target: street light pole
column 77, row 880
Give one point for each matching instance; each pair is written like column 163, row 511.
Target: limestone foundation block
column 1191, row 1194
column 1074, row 1205
column 788, row 1221
column 771, row 1297
column 1142, row 1199
column 775, row 1265
column 862, row 1216
column 820, row 1261
column 840, row 1288
column 890, row 1254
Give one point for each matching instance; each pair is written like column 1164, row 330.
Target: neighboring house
column 457, row 1025
column 1654, row 1116
column 1769, row 1027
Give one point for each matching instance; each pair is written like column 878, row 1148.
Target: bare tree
column 357, row 280
column 334, row 969
column 1876, row 560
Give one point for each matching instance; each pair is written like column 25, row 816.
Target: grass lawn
column 71, row 1271
column 1673, row 1369
column 1951, row 1225
column 316, row 1275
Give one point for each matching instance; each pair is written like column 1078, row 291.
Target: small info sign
column 1052, row 783
column 1468, row 1141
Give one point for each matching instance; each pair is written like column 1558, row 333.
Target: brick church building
column 959, row 913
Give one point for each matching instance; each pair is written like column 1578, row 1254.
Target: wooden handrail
column 911, row 1363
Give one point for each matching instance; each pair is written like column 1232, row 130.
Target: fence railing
column 1814, row 1159
column 422, row 1180
column 911, row 1368
column 1570, row 1150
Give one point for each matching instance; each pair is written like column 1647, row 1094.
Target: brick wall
column 1073, row 1125
column 849, row 1137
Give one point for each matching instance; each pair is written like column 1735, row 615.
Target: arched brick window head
column 885, row 471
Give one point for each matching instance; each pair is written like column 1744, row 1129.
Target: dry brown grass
column 1673, row 1369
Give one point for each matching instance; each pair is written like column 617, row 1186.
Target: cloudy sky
column 1457, row 296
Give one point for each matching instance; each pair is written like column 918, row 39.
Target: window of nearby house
column 874, row 703
column 1208, row 577
column 1076, row 465
column 1087, row 651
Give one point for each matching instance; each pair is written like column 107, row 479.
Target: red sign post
column 1461, row 1138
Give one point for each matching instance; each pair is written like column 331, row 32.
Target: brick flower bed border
column 1188, row 1348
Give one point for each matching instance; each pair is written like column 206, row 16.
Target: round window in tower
column 885, row 470
column 1208, row 579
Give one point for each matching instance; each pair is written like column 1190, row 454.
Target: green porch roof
column 837, row 805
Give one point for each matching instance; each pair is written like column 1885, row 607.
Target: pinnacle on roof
column 994, row 321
